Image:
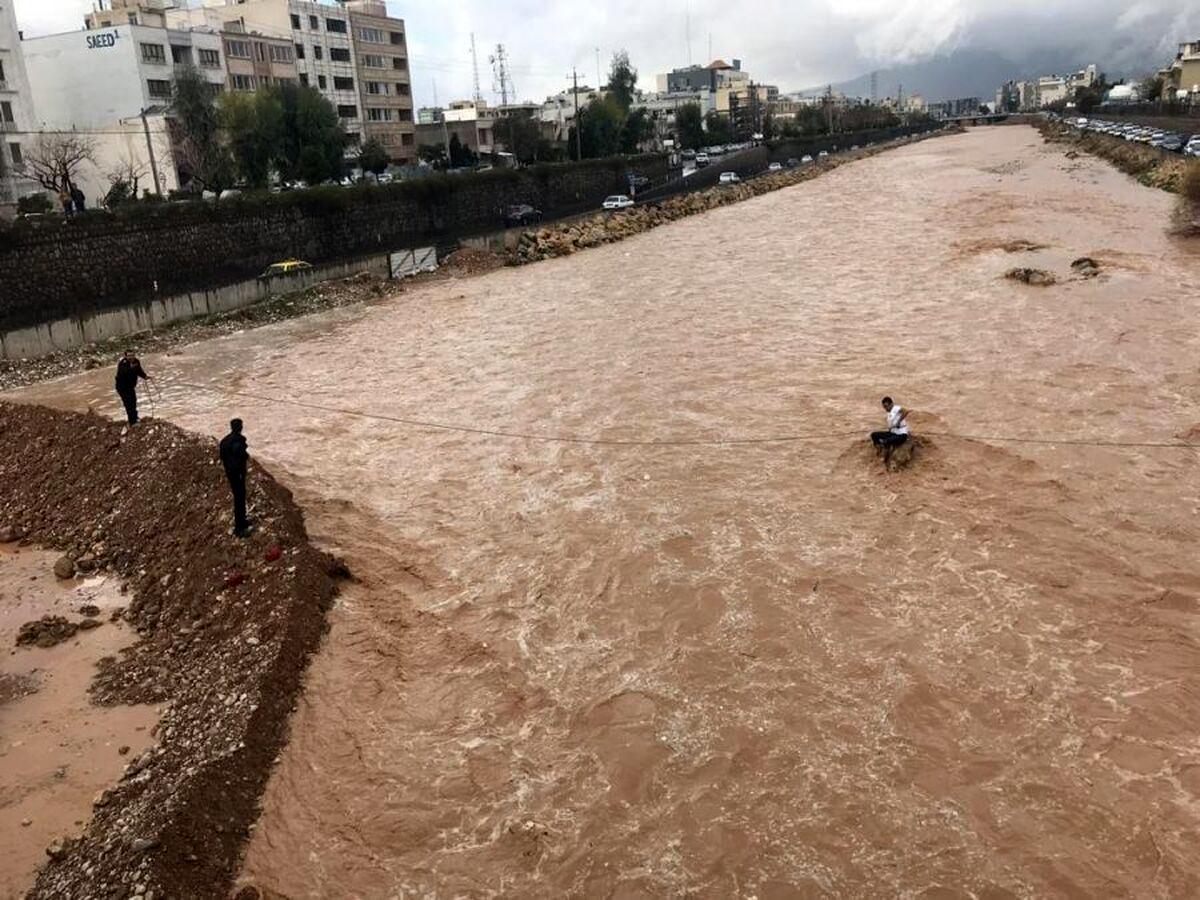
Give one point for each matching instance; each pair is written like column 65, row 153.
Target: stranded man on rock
column 897, row 433
column 234, row 457
column 129, row 370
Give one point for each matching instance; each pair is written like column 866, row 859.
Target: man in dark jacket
column 129, row 370
column 234, row 457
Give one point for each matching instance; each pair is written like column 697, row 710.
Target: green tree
column 253, row 124
column 434, row 154
column 718, row 128
column 637, row 129
column 1151, row 87
column 520, row 135
column 196, row 132
column 622, row 80
column 600, row 124
column 311, row 145
column 373, row 157
column 461, row 155
column 689, row 126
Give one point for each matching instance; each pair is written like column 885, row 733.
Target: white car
column 805, row 159
column 822, row 154
column 775, row 167
column 702, row 159
column 617, row 201
column 729, row 178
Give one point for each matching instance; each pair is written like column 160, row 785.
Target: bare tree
column 123, row 179
column 56, row 157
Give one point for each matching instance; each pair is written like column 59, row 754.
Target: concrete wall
column 109, row 324
column 54, row 269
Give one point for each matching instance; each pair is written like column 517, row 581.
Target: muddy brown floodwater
column 766, row 670
column 57, row 750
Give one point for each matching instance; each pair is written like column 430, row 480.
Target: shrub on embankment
column 1187, row 215
column 1149, row 165
column 54, row 268
column 225, row 630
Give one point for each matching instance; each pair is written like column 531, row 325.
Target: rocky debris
column 903, row 455
column 89, row 610
column 9, row 535
column 1151, row 166
column 46, row 632
column 1021, row 246
column 64, row 568
column 1085, row 267
column 66, row 481
column 467, row 261
column 1037, row 277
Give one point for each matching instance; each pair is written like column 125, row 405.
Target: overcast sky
column 792, row 43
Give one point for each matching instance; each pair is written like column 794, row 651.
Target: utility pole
column 150, row 150
column 578, row 134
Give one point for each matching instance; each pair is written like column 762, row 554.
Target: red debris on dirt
column 151, row 504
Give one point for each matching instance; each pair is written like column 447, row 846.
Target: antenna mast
column 501, row 81
column 475, row 66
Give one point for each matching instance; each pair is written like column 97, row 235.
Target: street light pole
column 578, row 133
column 150, row 150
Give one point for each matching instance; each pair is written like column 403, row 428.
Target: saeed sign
column 101, row 41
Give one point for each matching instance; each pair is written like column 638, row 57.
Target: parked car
column 822, row 154
column 775, row 167
column 617, row 201
column 521, row 214
column 1172, row 142
column 285, row 267
column 729, row 178
column 792, row 162
column 701, row 159
column 806, row 158
column 688, row 154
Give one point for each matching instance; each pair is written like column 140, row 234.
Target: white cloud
column 793, row 44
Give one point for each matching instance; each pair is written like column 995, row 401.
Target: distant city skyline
column 793, row 45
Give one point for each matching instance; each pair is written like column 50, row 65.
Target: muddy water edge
column 603, row 670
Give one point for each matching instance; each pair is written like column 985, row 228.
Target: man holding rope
column 897, row 433
column 129, row 370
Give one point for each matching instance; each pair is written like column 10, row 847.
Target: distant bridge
column 977, row 119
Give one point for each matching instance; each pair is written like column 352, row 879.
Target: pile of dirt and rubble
column 1149, row 165
column 225, row 629
column 605, row 228
column 51, row 630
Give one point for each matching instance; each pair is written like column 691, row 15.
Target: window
column 376, row 87
column 243, row 82
column 2, row 79
column 304, row 78
column 181, row 56
column 403, row 90
column 260, row 51
column 404, row 115
column 372, row 61
column 210, row 59
column 299, row 51
column 6, row 114
column 337, row 26
column 318, row 53
column 372, row 35
column 399, row 62
column 154, row 53
column 321, row 82
column 313, row 23
column 159, row 89
column 397, row 38
column 348, row 112
column 281, row 54
column 237, row 49
column 17, row 157
column 406, row 139
column 339, row 54
column 353, row 139
column 295, row 22
column 380, row 114
column 342, row 84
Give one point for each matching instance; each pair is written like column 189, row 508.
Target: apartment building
column 16, row 112
column 254, row 61
column 98, row 84
column 1181, row 80
column 385, row 85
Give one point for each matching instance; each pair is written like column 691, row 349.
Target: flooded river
column 751, row 670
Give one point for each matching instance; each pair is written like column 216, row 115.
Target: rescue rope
column 671, row 442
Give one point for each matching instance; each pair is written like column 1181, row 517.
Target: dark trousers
column 887, row 439
column 237, row 484
column 129, row 398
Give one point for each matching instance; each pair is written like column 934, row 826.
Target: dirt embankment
column 1149, row 165
column 605, row 228
column 225, row 629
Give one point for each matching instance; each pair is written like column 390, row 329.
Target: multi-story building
column 16, row 112
column 352, row 52
column 113, row 87
column 1181, row 81
column 385, row 86
column 254, row 61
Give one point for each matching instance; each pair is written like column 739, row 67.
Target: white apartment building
column 98, row 83
column 16, row 111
